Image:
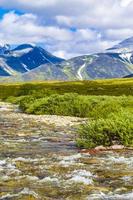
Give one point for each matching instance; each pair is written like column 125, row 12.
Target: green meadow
column 112, row 87
column 108, row 105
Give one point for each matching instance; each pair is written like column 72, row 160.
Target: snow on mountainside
column 126, row 57
column 18, row 53
column 6, row 68
column 4, row 49
column 34, row 63
column 124, row 50
column 125, row 46
column 115, row 62
column 24, row 58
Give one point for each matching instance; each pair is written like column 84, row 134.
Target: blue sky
column 3, row 11
column 66, row 28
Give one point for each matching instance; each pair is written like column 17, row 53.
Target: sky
column 66, row 28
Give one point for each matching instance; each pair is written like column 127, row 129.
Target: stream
column 41, row 162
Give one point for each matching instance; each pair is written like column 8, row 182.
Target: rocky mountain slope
column 24, row 58
column 35, row 63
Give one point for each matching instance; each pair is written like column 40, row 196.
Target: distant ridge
column 129, row 76
column 28, row 62
column 24, row 58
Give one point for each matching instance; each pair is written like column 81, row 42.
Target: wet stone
column 39, row 161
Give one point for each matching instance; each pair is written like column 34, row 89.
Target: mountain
column 43, row 72
column 115, row 62
column 24, row 58
column 129, row 76
column 98, row 66
column 34, row 63
column 125, row 46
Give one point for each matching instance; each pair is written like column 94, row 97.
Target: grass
column 112, row 87
column 108, row 104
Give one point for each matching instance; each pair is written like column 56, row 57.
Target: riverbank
column 39, row 161
column 12, row 112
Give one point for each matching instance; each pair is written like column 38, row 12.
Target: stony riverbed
column 39, row 161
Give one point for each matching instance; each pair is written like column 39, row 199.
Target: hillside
column 24, row 58
column 29, row 63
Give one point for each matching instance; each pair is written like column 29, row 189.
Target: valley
column 66, row 100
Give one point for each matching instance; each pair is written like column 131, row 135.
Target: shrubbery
column 72, row 104
column 110, row 117
column 118, row 128
column 67, row 105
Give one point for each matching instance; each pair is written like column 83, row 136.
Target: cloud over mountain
column 67, row 28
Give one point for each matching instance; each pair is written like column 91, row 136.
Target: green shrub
column 117, row 128
column 67, row 104
column 110, row 117
column 103, row 106
column 14, row 100
column 42, row 93
column 25, row 101
column 72, row 104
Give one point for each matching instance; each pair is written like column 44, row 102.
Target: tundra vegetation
column 108, row 105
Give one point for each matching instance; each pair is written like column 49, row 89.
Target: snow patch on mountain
column 25, row 67
column 125, row 46
column 4, row 49
column 18, row 53
column 126, row 57
column 79, row 75
column 7, row 68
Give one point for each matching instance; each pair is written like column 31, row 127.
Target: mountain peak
column 4, row 49
column 128, row 40
column 125, row 46
column 24, row 46
column 24, row 58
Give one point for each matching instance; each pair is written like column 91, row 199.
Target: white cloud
column 70, row 27
column 79, row 13
column 16, row 29
column 125, row 3
column 118, row 34
column 25, row 28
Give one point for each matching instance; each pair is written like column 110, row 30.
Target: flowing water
column 41, row 162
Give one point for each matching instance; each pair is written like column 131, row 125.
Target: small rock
column 116, row 147
column 100, row 148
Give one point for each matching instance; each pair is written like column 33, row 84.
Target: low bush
column 118, row 128
column 72, row 104
column 67, row 105
column 110, row 117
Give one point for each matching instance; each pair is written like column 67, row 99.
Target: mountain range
column 28, row 62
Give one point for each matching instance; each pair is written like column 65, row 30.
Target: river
column 41, row 162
